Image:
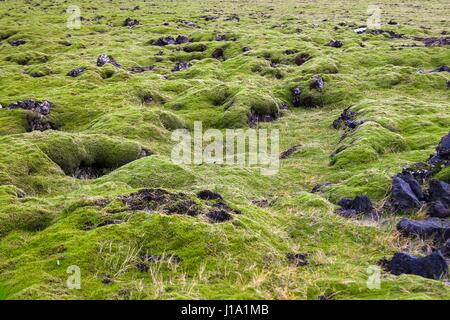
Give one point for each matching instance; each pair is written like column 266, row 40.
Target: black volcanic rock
column 435, row 228
column 441, row 69
column 439, row 199
column 443, row 148
column 445, row 249
column 42, row 108
column 317, row 83
column 221, row 37
column 180, row 66
column 335, row 44
column 181, row 39
column 347, row 120
column 287, row 153
column 16, row 43
column 131, row 23
column 219, row 216
column 76, row 72
column 432, row 266
column 296, row 92
column 209, row 195
column 301, row 59
column 360, row 205
column 403, row 197
column 298, row 259
column 435, row 42
column 104, row 59
column 164, row 41
column 218, row 53
column 413, row 184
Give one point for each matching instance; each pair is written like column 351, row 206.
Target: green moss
column 170, row 121
column 246, row 101
column 444, row 175
column 320, row 65
column 9, row 193
column 151, row 172
column 13, row 122
column 28, row 58
column 39, row 71
column 373, row 183
column 308, row 201
column 71, row 151
column 369, row 141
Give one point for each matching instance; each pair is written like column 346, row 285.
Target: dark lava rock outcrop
column 16, row 43
column 209, row 18
column 432, row 266
column 181, row 39
column 415, row 186
column 218, row 53
column 209, row 195
column 347, row 120
column 37, row 117
column 218, row 216
column 439, row 199
column 296, row 100
column 445, row 249
column 168, row 40
column 406, row 192
column 359, row 206
column 221, row 37
column 104, row 59
column 187, row 23
column 164, row 41
column 432, row 228
column 76, row 72
column 152, row 200
column 318, row 187
column 131, row 23
column 298, row 259
column 42, row 108
column 317, row 83
column 87, row 173
column 180, row 66
column 289, row 51
column 301, row 59
column 443, row 148
column 255, row 117
column 441, row 69
column 435, row 42
column 195, row 48
column 390, row 33
column 37, row 122
column 335, row 44
column 287, row 153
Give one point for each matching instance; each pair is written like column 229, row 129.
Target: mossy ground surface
column 104, row 119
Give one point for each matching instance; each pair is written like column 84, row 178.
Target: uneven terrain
column 86, row 176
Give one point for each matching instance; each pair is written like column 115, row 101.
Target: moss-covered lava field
column 87, row 178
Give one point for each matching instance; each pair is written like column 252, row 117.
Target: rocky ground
column 86, row 177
